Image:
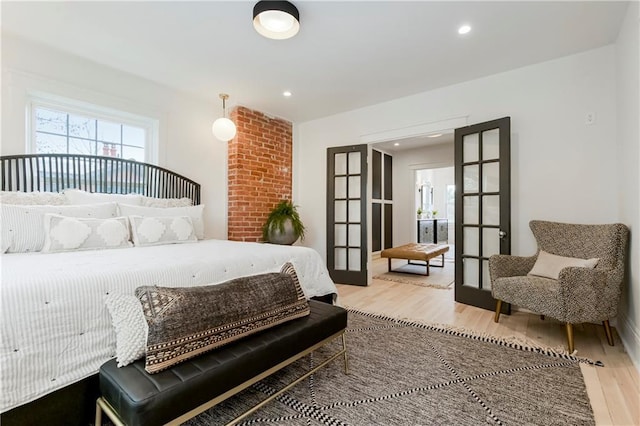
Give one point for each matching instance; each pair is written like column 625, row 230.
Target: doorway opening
column 392, row 218
column 435, row 207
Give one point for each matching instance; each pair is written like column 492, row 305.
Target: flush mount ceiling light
column 223, row 128
column 277, row 20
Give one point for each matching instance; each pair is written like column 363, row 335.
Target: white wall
column 186, row 143
column 628, row 94
column 562, row 169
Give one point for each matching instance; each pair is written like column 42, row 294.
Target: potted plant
column 283, row 225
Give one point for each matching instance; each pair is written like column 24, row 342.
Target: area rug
column 405, row 373
column 411, row 273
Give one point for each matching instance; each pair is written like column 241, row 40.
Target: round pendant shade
column 224, row 129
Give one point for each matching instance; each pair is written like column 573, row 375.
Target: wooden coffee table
column 415, row 251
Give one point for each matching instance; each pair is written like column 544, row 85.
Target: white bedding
column 56, row 329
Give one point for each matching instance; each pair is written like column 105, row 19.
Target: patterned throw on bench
column 185, row 322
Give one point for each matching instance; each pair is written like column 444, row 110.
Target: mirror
column 426, row 197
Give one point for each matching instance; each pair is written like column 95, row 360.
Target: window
column 68, row 128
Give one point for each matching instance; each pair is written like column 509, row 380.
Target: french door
column 347, row 214
column 483, row 207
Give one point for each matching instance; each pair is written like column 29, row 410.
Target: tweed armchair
column 580, row 294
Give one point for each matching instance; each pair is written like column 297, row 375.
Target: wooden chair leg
column 607, row 331
column 570, row 337
column 498, row 308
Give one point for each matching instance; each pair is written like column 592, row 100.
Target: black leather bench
column 131, row 396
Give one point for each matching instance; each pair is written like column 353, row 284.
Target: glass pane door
column 346, row 214
column 482, row 169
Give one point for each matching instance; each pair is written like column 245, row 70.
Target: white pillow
column 151, row 231
column 64, row 233
column 130, row 326
column 549, row 265
column 166, row 202
column 78, row 196
column 194, row 212
column 35, row 198
column 23, row 226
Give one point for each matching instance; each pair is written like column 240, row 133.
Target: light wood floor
column 614, row 390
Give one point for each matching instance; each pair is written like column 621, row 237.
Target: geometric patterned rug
column 407, row 373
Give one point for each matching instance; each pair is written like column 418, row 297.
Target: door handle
column 502, row 234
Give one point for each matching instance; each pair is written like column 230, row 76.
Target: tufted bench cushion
column 416, row 251
column 143, row 399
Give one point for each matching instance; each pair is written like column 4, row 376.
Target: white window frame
column 150, row 125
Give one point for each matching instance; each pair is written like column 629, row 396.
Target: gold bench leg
column 98, row 414
column 346, row 357
column 103, row 405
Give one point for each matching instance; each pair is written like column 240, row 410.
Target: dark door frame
column 347, row 276
column 467, row 294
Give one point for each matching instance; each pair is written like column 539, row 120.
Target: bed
column 56, row 330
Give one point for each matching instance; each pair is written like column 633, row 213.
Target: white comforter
column 56, row 329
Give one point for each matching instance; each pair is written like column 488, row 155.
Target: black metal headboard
column 55, row 172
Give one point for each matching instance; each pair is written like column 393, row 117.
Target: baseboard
column 630, row 337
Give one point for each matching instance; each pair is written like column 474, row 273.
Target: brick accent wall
column 259, row 163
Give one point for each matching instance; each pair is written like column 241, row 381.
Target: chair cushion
column 538, row 294
column 414, row 251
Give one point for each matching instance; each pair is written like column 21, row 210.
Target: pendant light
column 277, row 20
column 223, row 128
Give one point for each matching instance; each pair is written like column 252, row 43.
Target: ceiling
column 347, row 54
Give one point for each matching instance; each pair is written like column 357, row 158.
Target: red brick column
column 259, row 163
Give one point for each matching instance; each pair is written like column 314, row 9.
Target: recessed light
column 435, row 135
column 286, row 93
column 464, row 29
column 396, row 144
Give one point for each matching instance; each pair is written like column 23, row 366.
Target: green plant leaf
column 278, row 217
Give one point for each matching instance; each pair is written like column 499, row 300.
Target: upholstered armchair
column 571, row 290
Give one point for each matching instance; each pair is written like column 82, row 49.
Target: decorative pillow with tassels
column 185, row 322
